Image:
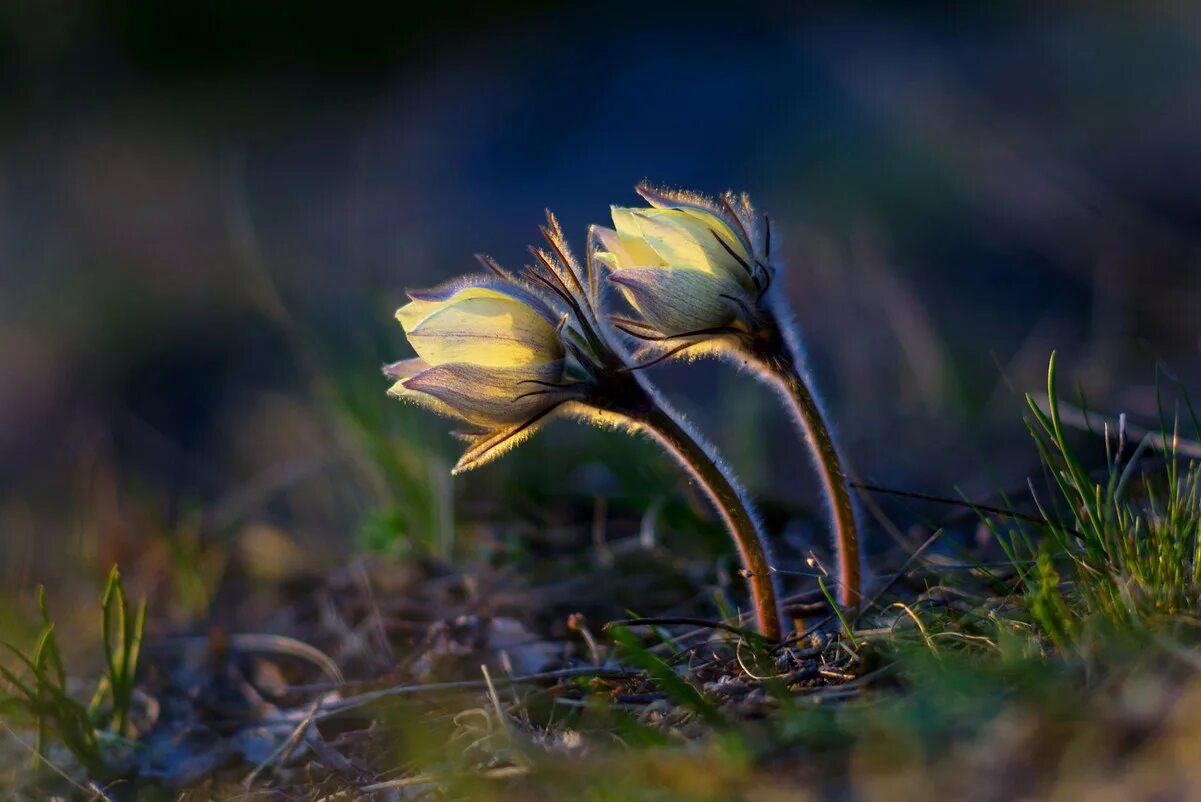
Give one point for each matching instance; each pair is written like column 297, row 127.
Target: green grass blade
column 671, row 683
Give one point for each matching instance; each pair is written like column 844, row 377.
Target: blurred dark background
column 209, row 210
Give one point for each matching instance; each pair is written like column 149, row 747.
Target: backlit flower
column 698, row 273
column 488, row 353
column 689, row 266
column 504, row 352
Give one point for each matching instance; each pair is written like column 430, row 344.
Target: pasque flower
column 699, row 274
column 687, row 266
column 503, row 352
column 489, row 353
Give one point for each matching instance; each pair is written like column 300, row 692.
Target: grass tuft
column 1123, row 549
column 45, row 697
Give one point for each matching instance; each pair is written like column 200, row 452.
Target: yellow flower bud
column 685, row 264
column 488, row 353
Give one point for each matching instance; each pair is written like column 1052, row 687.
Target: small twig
column 284, row 750
column 53, row 767
column 502, row 773
column 909, row 563
column 799, row 636
column 494, row 697
column 748, row 672
column 98, row 792
column 873, row 509
column 788, row 603
column 262, row 643
column 374, row 616
column 342, row 705
column 978, row 508
column 401, row 782
column 841, row 676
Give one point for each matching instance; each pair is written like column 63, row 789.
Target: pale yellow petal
column 707, row 211
column 412, row 313
column 497, row 331
column 695, row 240
column 609, row 248
column 634, row 251
column 421, row 307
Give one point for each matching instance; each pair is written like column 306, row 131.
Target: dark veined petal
column 492, row 397
column 679, row 301
column 402, row 371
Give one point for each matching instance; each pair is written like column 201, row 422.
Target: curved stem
column 780, row 364
column 696, row 457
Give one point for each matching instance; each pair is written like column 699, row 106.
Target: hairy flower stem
column 642, row 409
column 777, row 355
column 713, row 477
